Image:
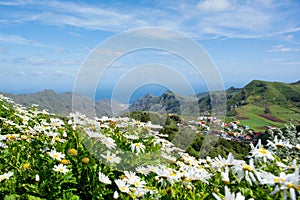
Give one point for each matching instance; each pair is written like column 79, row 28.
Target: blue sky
column 43, row 43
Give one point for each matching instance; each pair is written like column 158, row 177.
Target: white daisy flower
column 37, row 178
column 138, row 147
column 122, row 185
column 108, row 142
column 131, row 137
column 278, row 143
column 230, row 196
column 103, row 178
column 225, row 175
column 56, row 155
column 116, row 195
column 143, row 170
column 61, row 168
column 260, row 152
column 111, row 157
column 292, row 165
column 6, row 176
column 93, row 134
column 284, row 182
column 195, row 173
column 220, row 162
column 246, row 171
column 2, row 145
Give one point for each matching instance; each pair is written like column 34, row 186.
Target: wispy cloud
column 16, row 39
column 282, row 48
column 155, row 34
column 284, row 61
column 53, row 72
column 40, row 61
column 43, row 61
column 202, row 19
column 3, row 51
column 20, row 73
column 213, row 5
column 15, row 2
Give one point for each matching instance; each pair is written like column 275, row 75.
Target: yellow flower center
column 173, row 174
column 278, row 180
column 123, row 189
column 110, row 158
column 263, row 151
column 290, row 185
column 60, row 169
column 55, row 156
column 247, row 167
column 137, row 184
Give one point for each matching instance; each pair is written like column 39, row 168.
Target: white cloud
column 54, row 72
column 289, row 37
column 38, row 73
column 40, row 61
column 107, row 52
column 158, row 34
column 284, row 61
column 61, row 50
column 15, row 39
column 201, row 20
column 75, row 34
column 3, row 51
column 44, row 61
column 19, row 73
column 99, row 17
column 15, row 2
column 282, row 48
column 213, row 5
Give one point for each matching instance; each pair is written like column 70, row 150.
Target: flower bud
column 73, row 152
column 85, row 160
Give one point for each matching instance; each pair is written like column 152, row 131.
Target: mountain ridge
column 61, row 103
column 258, row 101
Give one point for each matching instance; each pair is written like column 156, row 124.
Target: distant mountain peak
column 61, row 103
column 295, row 83
column 149, row 95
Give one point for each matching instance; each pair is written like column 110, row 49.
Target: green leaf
column 12, row 197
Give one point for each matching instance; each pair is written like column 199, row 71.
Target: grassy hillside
column 262, row 103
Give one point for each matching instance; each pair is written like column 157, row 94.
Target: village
column 234, row 131
column 203, row 125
